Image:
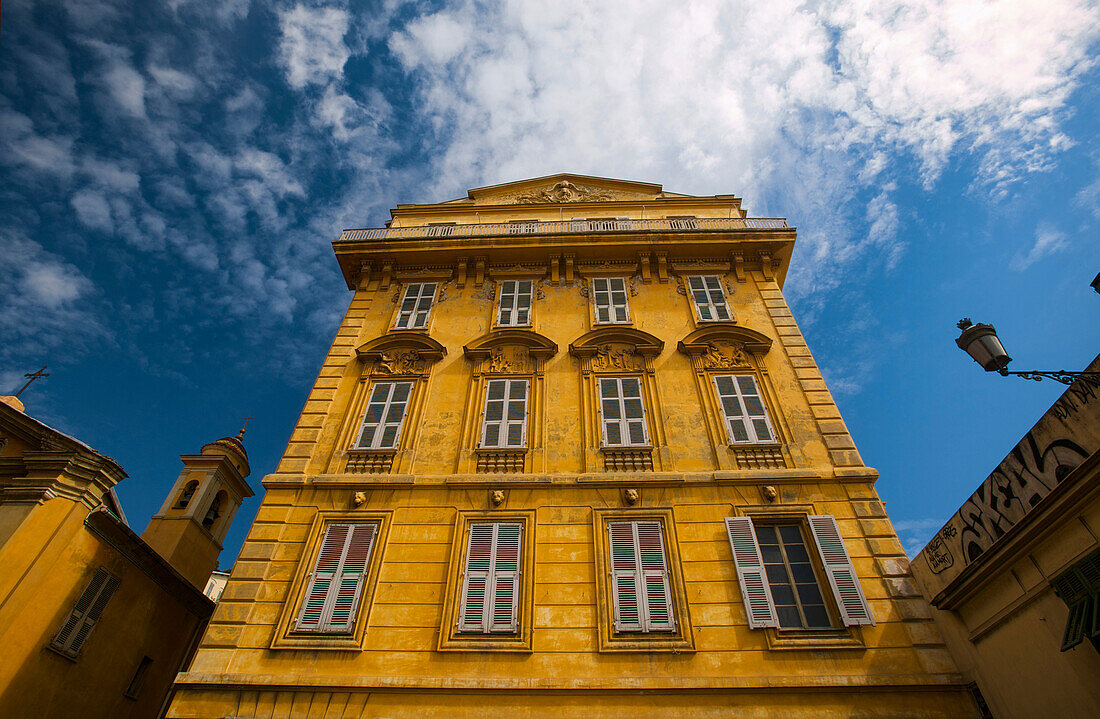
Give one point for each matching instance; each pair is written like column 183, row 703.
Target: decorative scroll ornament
column 408, row 362
column 509, row 360
column 564, row 191
column 615, row 357
column 723, row 354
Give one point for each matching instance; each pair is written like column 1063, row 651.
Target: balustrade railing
column 559, row 227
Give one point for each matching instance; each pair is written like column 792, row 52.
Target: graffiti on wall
column 1060, row 441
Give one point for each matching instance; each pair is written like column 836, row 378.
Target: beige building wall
column 403, row 657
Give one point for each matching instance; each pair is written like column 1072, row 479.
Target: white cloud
column 93, row 210
column 811, row 108
column 1048, row 240
column 312, row 46
column 180, row 84
column 127, row 87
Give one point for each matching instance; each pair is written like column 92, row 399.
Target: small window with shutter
column 85, row 614
column 335, row 586
column 416, row 305
column 504, row 423
column 384, row 416
column 708, row 298
column 779, row 580
column 743, row 409
column 640, row 585
column 491, row 578
column 515, row 303
column 609, row 300
column 622, row 412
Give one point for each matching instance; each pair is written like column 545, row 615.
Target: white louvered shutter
column 640, row 587
column 746, row 418
column 490, row 585
column 336, row 583
column 755, row 590
column 656, row 588
column 86, row 612
column 838, row 567
column 504, row 423
column 506, row 570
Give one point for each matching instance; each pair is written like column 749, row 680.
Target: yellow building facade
column 96, row 621
column 569, row 452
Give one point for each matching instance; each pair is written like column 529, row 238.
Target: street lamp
column 982, row 344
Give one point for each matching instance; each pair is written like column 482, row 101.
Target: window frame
column 611, row 306
column 287, row 635
column 410, row 323
column 504, row 423
column 386, row 405
column 516, row 303
column 695, row 305
column 842, row 635
column 623, row 421
column 682, row 637
column 753, row 437
column 450, row 636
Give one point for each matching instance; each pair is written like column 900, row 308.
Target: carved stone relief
column 616, row 357
column 564, row 191
column 723, row 354
column 408, row 362
column 508, row 359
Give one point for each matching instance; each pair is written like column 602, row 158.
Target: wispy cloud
column 1048, row 241
column 916, row 533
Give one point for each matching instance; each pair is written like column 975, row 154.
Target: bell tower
column 189, row 528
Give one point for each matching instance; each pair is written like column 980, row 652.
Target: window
column 491, row 579
column 779, row 583
column 1079, row 588
column 384, row 416
column 186, row 495
column 85, row 614
column 415, row 306
column 515, row 303
column 639, row 577
column 609, row 300
column 622, row 412
column 505, row 421
column 743, row 409
column 641, row 599
column 138, row 680
column 709, row 298
column 336, row 582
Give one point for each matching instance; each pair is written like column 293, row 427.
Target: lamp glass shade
column 982, row 344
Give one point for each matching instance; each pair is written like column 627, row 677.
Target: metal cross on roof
column 33, row 376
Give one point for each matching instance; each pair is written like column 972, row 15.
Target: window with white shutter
column 336, row 583
column 640, row 584
column 491, row 578
column 515, row 303
column 609, row 300
column 385, row 415
column 85, row 614
column 779, row 583
column 416, row 305
column 709, row 298
column 622, row 412
column 743, row 409
column 504, row 424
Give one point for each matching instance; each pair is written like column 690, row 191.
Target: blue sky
column 172, row 175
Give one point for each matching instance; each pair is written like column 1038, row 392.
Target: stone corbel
column 364, row 275
column 568, row 269
column 479, row 271
column 766, row 265
column 644, row 268
column 662, row 267
column 387, row 274
column 738, row 261
column 555, row 269
column 460, row 279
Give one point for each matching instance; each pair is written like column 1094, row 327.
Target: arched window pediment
column 510, row 351
column 724, row 346
column 615, row 349
column 401, row 353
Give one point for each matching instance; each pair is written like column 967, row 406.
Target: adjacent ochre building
column 1014, row 574
column 96, row 621
column 568, row 453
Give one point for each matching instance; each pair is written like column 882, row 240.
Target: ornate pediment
column 510, row 352
column 563, row 188
column 564, row 191
column 401, row 353
column 616, row 349
column 724, row 346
